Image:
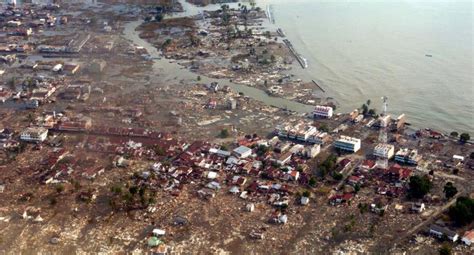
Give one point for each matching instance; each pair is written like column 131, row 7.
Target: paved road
column 346, row 173
column 430, row 219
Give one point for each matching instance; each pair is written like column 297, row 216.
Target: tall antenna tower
column 383, row 162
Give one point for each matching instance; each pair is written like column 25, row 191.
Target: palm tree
column 252, row 3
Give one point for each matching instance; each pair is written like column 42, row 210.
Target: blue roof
column 242, row 150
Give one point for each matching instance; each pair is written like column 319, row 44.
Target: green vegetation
column 262, row 149
column 268, row 34
column 462, row 213
column 363, row 207
column 166, row 43
column 328, row 165
column 445, row 249
column 252, row 3
column 135, row 197
column 337, row 176
column 225, row 17
column 312, row 182
column 198, row 78
column 365, row 109
column 306, row 193
column 454, row 134
column 450, row 190
column 275, row 164
column 357, row 188
column 299, row 168
column 224, row 133
column 372, row 112
column 324, row 128
column 116, row 189
column 59, row 188
column 160, row 151
column 159, row 17
column 464, row 137
column 419, row 186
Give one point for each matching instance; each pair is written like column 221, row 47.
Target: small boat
column 428, row 55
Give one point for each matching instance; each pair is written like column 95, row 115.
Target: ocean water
column 359, row 50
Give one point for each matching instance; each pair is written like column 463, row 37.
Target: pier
column 280, row 32
column 299, row 58
column 317, row 85
column 270, row 14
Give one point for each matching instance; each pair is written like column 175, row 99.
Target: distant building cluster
column 407, row 156
column 304, row 132
column 384, row 151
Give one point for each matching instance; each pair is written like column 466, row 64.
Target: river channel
column 169, row 70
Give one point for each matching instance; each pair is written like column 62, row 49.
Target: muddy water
column 171, row 71
column 418, row 53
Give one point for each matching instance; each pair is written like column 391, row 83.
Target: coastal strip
column 299, row 58
column 270, row 14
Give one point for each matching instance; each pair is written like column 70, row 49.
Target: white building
column 401, row 121
column 242, row 152
column 443, row 232
column 282, row 130
column 384, row 150
column 34, row 134
column 348, row 143
column 407, row 156
column 300, row 131
column 318, row 138
column 312, row 151
column 323, row 111
column 304, row 200
column 305, row 131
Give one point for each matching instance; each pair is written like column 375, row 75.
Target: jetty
column 317, row 85
column 280, row 32
column 270, row 14
column 299, row 58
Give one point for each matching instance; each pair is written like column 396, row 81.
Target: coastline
column 327, row 89
column 192, row 133
column 352, row 84
column 168, row 71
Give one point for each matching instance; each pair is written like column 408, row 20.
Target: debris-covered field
column 134, row 126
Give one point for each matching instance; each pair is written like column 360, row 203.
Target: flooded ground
column 170, row 71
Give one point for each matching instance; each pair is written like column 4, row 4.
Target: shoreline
column 169, row 133
column 190, row 10
column 341, row 88
column 164, row 63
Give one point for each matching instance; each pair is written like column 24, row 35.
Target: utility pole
column 381, row 161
